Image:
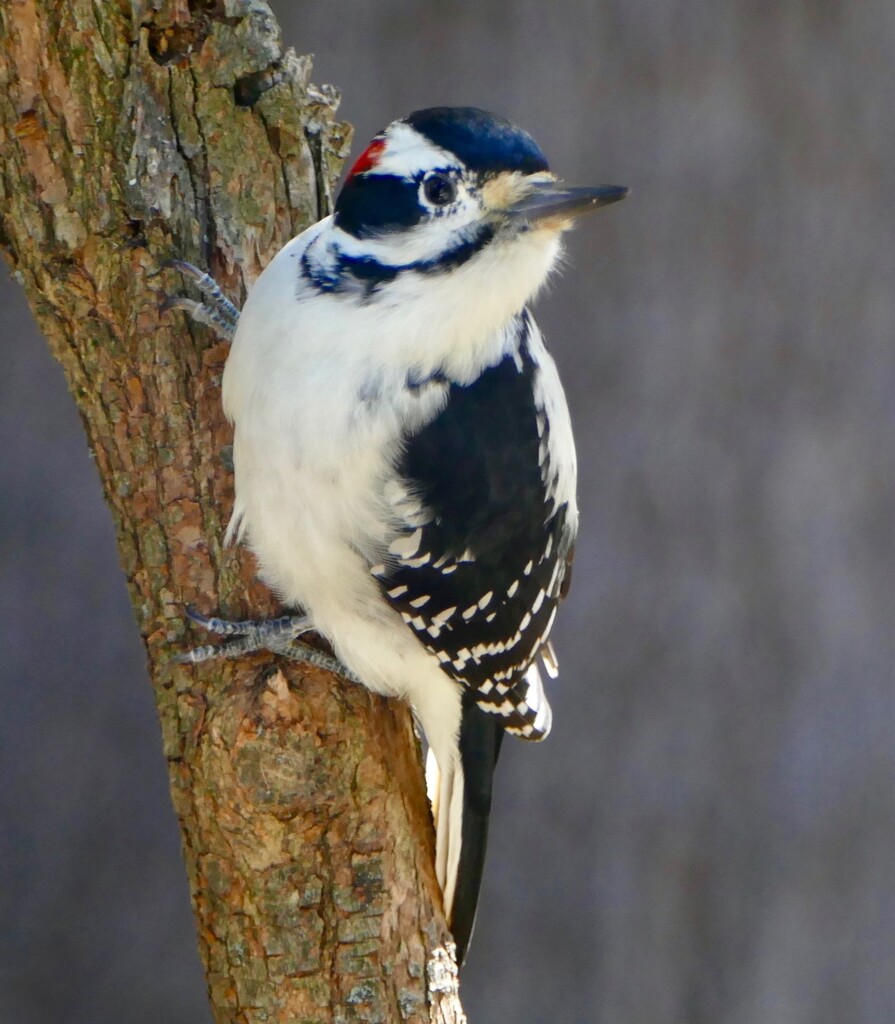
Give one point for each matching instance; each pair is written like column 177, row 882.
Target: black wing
column 479, row 581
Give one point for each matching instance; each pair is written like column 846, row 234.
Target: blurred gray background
column 709, row 833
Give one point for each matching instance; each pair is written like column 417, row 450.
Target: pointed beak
column 552, row 200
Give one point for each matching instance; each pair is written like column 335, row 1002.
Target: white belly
column 315, row 539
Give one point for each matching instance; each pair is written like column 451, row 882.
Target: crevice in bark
column 248, row 89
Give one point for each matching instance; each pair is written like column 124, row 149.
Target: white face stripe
column 425, row 241
column 407, row 153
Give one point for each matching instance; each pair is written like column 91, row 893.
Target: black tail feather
column 480, row 738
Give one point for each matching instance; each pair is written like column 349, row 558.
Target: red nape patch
column 368, row 159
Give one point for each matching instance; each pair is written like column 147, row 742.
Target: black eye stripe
column 371, row 205
column 377, row 204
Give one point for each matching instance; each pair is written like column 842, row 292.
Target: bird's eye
column 439, row 189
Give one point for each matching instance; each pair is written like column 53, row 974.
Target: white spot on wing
column 441, row 618
column 406, row 547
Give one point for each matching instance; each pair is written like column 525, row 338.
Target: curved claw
column 189, row 269
column 222, row 627
column 181, row 302
column 194, row 615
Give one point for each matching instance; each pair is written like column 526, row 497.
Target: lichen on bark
column 132, row 133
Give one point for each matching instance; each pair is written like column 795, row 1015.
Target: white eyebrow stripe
column 407, row 152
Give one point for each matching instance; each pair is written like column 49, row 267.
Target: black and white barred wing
column 478, row 574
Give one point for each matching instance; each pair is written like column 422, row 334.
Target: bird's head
column 452, row 187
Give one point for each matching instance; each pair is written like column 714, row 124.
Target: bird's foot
column 279, row 636
column 217, row 311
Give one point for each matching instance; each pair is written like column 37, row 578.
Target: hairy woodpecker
column 405, row 469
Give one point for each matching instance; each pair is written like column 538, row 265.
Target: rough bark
column 132, row 133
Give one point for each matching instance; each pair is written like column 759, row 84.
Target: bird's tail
column 460, row 790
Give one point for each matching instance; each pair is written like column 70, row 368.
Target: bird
column 405, row 469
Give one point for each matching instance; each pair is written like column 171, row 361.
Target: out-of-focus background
column 708, row 836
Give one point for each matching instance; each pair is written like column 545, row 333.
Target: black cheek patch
column 376, row 204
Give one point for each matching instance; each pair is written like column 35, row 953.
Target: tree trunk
column 132, row 133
